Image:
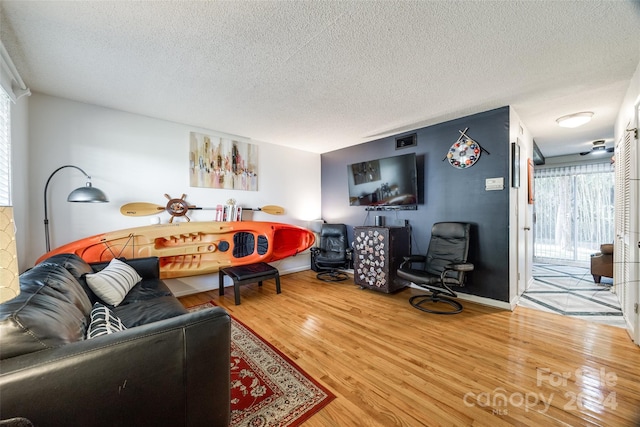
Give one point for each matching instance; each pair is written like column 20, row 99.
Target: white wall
column 20, row 176
column 134, row 158
column 631, row 99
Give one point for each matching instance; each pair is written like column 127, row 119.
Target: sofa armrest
column 170, row 372
column 606, row 248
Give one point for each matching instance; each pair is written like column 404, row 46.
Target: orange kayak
column 193, row 248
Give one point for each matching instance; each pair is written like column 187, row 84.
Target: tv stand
column 392, row 208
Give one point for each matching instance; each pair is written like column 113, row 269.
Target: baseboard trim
column 205, row 283
column 479, row 300
column 209, row 282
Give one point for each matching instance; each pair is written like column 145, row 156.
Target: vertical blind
column 5, row 149
column 574, row 211
column 12, row 88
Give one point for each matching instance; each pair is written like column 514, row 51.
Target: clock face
column 464, row 153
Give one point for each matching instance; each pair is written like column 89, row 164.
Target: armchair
column 332, row 253
column 445, row 264
column 602, row 262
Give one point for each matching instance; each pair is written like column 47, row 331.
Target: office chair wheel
column 332, row 276
column 417, row 301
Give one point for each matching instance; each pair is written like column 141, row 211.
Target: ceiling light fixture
column 575, row 120
column 598, row 147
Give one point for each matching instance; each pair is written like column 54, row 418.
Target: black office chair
column 445, row 264
column 332, row 253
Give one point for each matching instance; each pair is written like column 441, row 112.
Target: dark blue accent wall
column 447, row 193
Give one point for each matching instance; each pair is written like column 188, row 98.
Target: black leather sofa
column 168, row 368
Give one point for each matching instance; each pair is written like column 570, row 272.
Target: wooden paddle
column 143, row 209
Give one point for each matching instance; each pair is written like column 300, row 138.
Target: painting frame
column 530, row 170
column 515, row 165
column 222, row 163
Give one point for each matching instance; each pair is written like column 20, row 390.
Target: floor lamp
column 86, row 194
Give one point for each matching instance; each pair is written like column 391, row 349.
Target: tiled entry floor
column 570, row 291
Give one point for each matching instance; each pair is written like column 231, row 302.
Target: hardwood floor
column 392, row 365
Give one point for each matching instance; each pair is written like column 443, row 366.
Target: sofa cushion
column 152, row 310
column 147, row 267
column 103, row 322
column 51, row 310
column 72, row 262
column 113, row 282
column 78, row 268
column 146, row 290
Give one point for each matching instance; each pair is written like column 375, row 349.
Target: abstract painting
column 218, row 162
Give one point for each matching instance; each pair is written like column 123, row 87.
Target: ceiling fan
column 598, row 147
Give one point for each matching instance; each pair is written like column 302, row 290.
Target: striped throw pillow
column 103, row 322
column 113, row 283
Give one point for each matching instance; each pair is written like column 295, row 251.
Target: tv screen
column 391, row 181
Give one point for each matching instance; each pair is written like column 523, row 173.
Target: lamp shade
column 87, row 194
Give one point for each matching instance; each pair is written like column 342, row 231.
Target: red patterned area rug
column 268, row 388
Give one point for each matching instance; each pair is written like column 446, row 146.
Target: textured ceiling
column 322, row 75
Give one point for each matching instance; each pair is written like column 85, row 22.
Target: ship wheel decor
column 178, row 207
column 465, row 152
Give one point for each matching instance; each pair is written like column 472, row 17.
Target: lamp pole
column 86, row 194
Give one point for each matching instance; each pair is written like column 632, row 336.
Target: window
column 574, row 212
column 12, row 88
column 5, row 149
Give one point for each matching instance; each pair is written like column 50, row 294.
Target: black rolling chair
column 332, row 253
column 445, row 264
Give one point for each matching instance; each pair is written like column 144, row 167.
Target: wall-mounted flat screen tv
column 391, row 181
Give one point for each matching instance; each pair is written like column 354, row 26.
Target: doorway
column 574, row 215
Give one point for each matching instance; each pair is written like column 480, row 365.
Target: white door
column 627, row 243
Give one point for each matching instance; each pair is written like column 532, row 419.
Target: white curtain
column 574, row 211
column 588, row 168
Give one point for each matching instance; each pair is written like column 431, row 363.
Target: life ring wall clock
column 465, row 152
